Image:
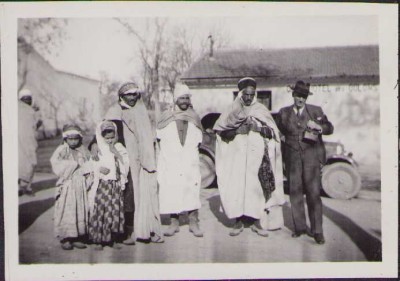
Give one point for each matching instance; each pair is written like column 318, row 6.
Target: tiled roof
column 328, row 62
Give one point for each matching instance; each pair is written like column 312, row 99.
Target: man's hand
column 314, row 126
column 95, row 152
column 104, row 170
column 266, row 132
column 228, row 135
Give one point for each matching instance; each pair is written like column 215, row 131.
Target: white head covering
column 240, row 94
column 180, row 91
column 71, row 130
column 24, row 93
column 107, row 159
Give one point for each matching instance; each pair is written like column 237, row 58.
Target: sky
column 101, row 44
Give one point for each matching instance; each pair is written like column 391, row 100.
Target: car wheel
column 341, row 180
column 207, row 170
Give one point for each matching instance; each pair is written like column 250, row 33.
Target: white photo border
column 388, row 63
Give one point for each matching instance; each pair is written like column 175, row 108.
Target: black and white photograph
column 199, row 140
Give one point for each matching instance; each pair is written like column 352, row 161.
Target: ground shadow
column 215, row 207
column 43, row 185
column 30, row 211
column 368, row 244
column 287, row 217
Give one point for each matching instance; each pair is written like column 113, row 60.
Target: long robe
column 140, row 144
column 71, row 210
column 179, row 175
column 238, row 163
column 27, row 143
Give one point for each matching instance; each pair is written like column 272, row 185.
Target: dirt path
column 352, row 230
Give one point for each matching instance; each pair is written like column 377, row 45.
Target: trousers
column 304, row 175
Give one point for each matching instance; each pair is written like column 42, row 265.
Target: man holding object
column 304, row 153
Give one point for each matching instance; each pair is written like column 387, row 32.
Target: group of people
column 115, row 190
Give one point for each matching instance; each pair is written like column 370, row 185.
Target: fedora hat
column 301, row 88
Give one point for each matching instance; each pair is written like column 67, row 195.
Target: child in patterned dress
column 106, row 196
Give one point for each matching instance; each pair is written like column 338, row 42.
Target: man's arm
column 326, row 125
column 278, row 120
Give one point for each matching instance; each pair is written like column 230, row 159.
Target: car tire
column 207, row 169
column 341, row 181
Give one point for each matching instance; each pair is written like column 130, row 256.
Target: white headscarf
column 180, row 91
column 106, row 157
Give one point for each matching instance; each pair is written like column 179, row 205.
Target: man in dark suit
column 303, row 126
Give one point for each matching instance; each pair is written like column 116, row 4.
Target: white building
column 62, row 97
column 344, row 80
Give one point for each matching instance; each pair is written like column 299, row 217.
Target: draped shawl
column 185, row 115
column 238, row 113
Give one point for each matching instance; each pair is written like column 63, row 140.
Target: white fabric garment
column 27, row 143
column 237, row 166
column 179, row 175
column 106, row 157
column 108, row 160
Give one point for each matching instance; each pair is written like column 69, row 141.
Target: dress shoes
column 319, row 238
column 299, row 233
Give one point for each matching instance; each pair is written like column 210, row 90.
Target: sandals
column 259, row 231
column 156, row 239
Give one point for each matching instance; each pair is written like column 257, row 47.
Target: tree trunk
column 156, row 95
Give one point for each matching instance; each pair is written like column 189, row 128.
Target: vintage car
column 340, row 176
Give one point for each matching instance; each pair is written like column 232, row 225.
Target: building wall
column 76, row 98
column 353, row 109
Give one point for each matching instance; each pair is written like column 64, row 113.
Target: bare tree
column 179, row 56
column 152, row 49
column 216, row 39
column 44, row 34
column 166, row 51
column 108, row 90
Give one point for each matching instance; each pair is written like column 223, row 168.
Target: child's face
column 109, row 137
column 73, row 141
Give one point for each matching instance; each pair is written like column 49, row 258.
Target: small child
column 106, row 197
column 70, row 162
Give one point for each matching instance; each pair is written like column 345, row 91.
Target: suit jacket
column 293, row 127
